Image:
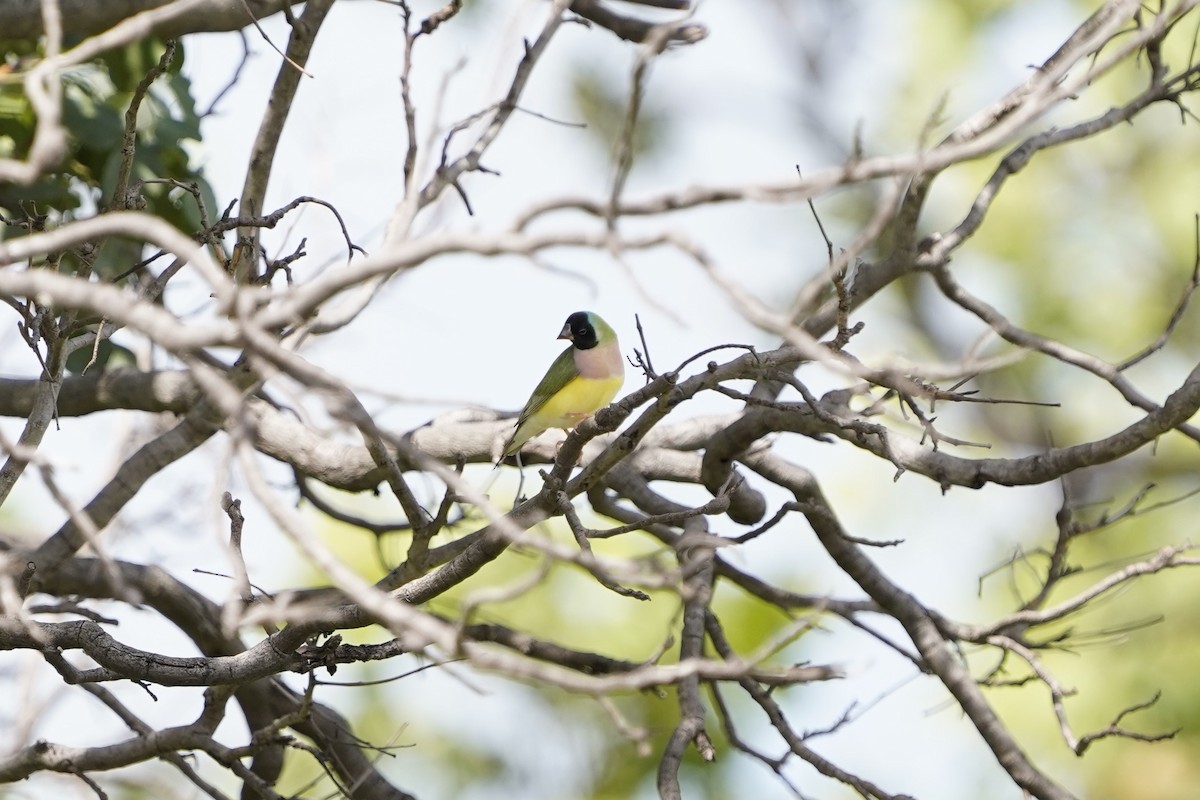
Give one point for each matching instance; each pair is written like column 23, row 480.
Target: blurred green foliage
column 603, row 103
column 96, row 96
column 566, row 607
column 1092, row 244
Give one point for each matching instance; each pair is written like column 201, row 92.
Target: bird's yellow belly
column 578, row 400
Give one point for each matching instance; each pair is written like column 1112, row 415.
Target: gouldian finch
column 583, row 379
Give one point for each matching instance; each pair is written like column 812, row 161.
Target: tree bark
column 22, row 19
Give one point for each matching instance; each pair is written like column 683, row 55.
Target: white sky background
column 481, row 331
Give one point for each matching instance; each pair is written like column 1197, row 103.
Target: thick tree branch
column 21, row 19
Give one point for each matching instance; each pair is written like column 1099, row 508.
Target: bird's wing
column 561, row 372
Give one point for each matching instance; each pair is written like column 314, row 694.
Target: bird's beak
column 566, row 333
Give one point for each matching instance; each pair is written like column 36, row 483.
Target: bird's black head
column 580, row 331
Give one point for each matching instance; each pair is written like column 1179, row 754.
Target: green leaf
column 129, row 65
column 109, row 356
column 604, row 104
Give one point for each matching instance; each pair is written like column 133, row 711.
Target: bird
column 583, row 379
